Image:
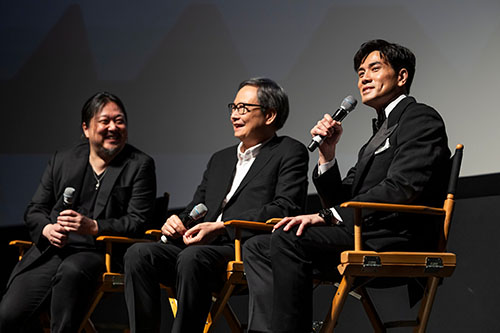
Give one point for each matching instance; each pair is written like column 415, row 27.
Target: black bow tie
column 377, row 122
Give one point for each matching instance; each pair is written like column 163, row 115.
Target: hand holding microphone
column 55, row 232
column 348, row 104
column 199, row 211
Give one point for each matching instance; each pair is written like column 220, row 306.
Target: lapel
column 265, row 154
column 108, row 182
column 388, row 127
column 225, row 174
column 76, row 171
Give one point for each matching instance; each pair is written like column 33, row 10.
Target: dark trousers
column 64, row 279
column 195, row 272
column 279, row 268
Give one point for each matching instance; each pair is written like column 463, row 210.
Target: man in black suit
column 115, row 186
column 264, row 176
column 405, row 161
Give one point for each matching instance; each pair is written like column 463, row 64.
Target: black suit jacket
column 405, row 162
column 275, row 185
column 123, row 205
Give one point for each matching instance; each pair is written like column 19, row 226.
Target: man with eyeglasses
column 262, row 177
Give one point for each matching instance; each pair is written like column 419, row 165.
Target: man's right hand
column 331, row 130
column 56, row 234
column 173, row 227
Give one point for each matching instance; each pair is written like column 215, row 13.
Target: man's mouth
column 113, row 138
column 367, row 90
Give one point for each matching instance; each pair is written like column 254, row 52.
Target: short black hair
column 95, row 104
column 272, row 97
column 396, row 55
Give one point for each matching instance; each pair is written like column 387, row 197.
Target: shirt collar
column 393, row 104
column 251, row 152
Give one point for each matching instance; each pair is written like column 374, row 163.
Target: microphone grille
column 199, row 211
column 349, row 103
column 68, row 195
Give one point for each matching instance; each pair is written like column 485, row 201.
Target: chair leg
column 232, row 320
column 219, row 305
column 89, row 327
column 86, row 319
column 337, row 304
column 426, row 304
column 171, row 299
column 371, row 312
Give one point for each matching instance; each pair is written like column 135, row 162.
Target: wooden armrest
column 395, row 207
column 253, row 225
column 22, row 246
column 109, row 240
column 20, row 243
column 153, row 232
column 120, row 239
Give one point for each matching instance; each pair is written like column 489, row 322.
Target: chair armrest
column 120, row 239
column 21, row 243
column 395, row 207
column 22, row 246
column 109, row 240
column 156, row 233
column 358, row 221
column 252, row 225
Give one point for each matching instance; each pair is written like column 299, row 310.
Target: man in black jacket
column 405, row 161
column 264, row 176
column 114, row 189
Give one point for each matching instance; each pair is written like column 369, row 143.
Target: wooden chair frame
column 362, row 264
column 112, row 282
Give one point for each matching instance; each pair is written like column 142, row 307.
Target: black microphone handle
column 339, row 115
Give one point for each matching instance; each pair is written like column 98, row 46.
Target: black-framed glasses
column 242, row 108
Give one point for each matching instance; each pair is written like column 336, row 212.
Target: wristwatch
column 327, row 215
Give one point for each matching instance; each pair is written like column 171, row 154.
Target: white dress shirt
column 245, row 161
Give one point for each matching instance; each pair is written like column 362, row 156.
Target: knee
column 284, row 240
column 135, row 256
column 72, row 271
column 256, row 247
column 280, row 237
column 188, row 257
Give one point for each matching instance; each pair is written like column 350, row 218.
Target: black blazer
column 124, row 203
column 405, row 162
column 275, row 185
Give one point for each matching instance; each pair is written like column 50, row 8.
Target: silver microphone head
column 198, row 211
column 349, row 103
column 68, row 196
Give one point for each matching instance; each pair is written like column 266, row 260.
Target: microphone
column 68, row 197
column 348, row 104
column 196, row 213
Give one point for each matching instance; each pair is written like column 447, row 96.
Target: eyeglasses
column 242, row 108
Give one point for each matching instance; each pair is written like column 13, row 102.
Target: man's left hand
column 75, row 222
column 203, row 233
column 302, row 221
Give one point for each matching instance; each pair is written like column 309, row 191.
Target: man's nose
column 235, row 115
column 367, row 77
column 112, row 126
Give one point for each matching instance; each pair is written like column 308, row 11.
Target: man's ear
column 270, row 116
column 85, row 130
column 402, row 77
